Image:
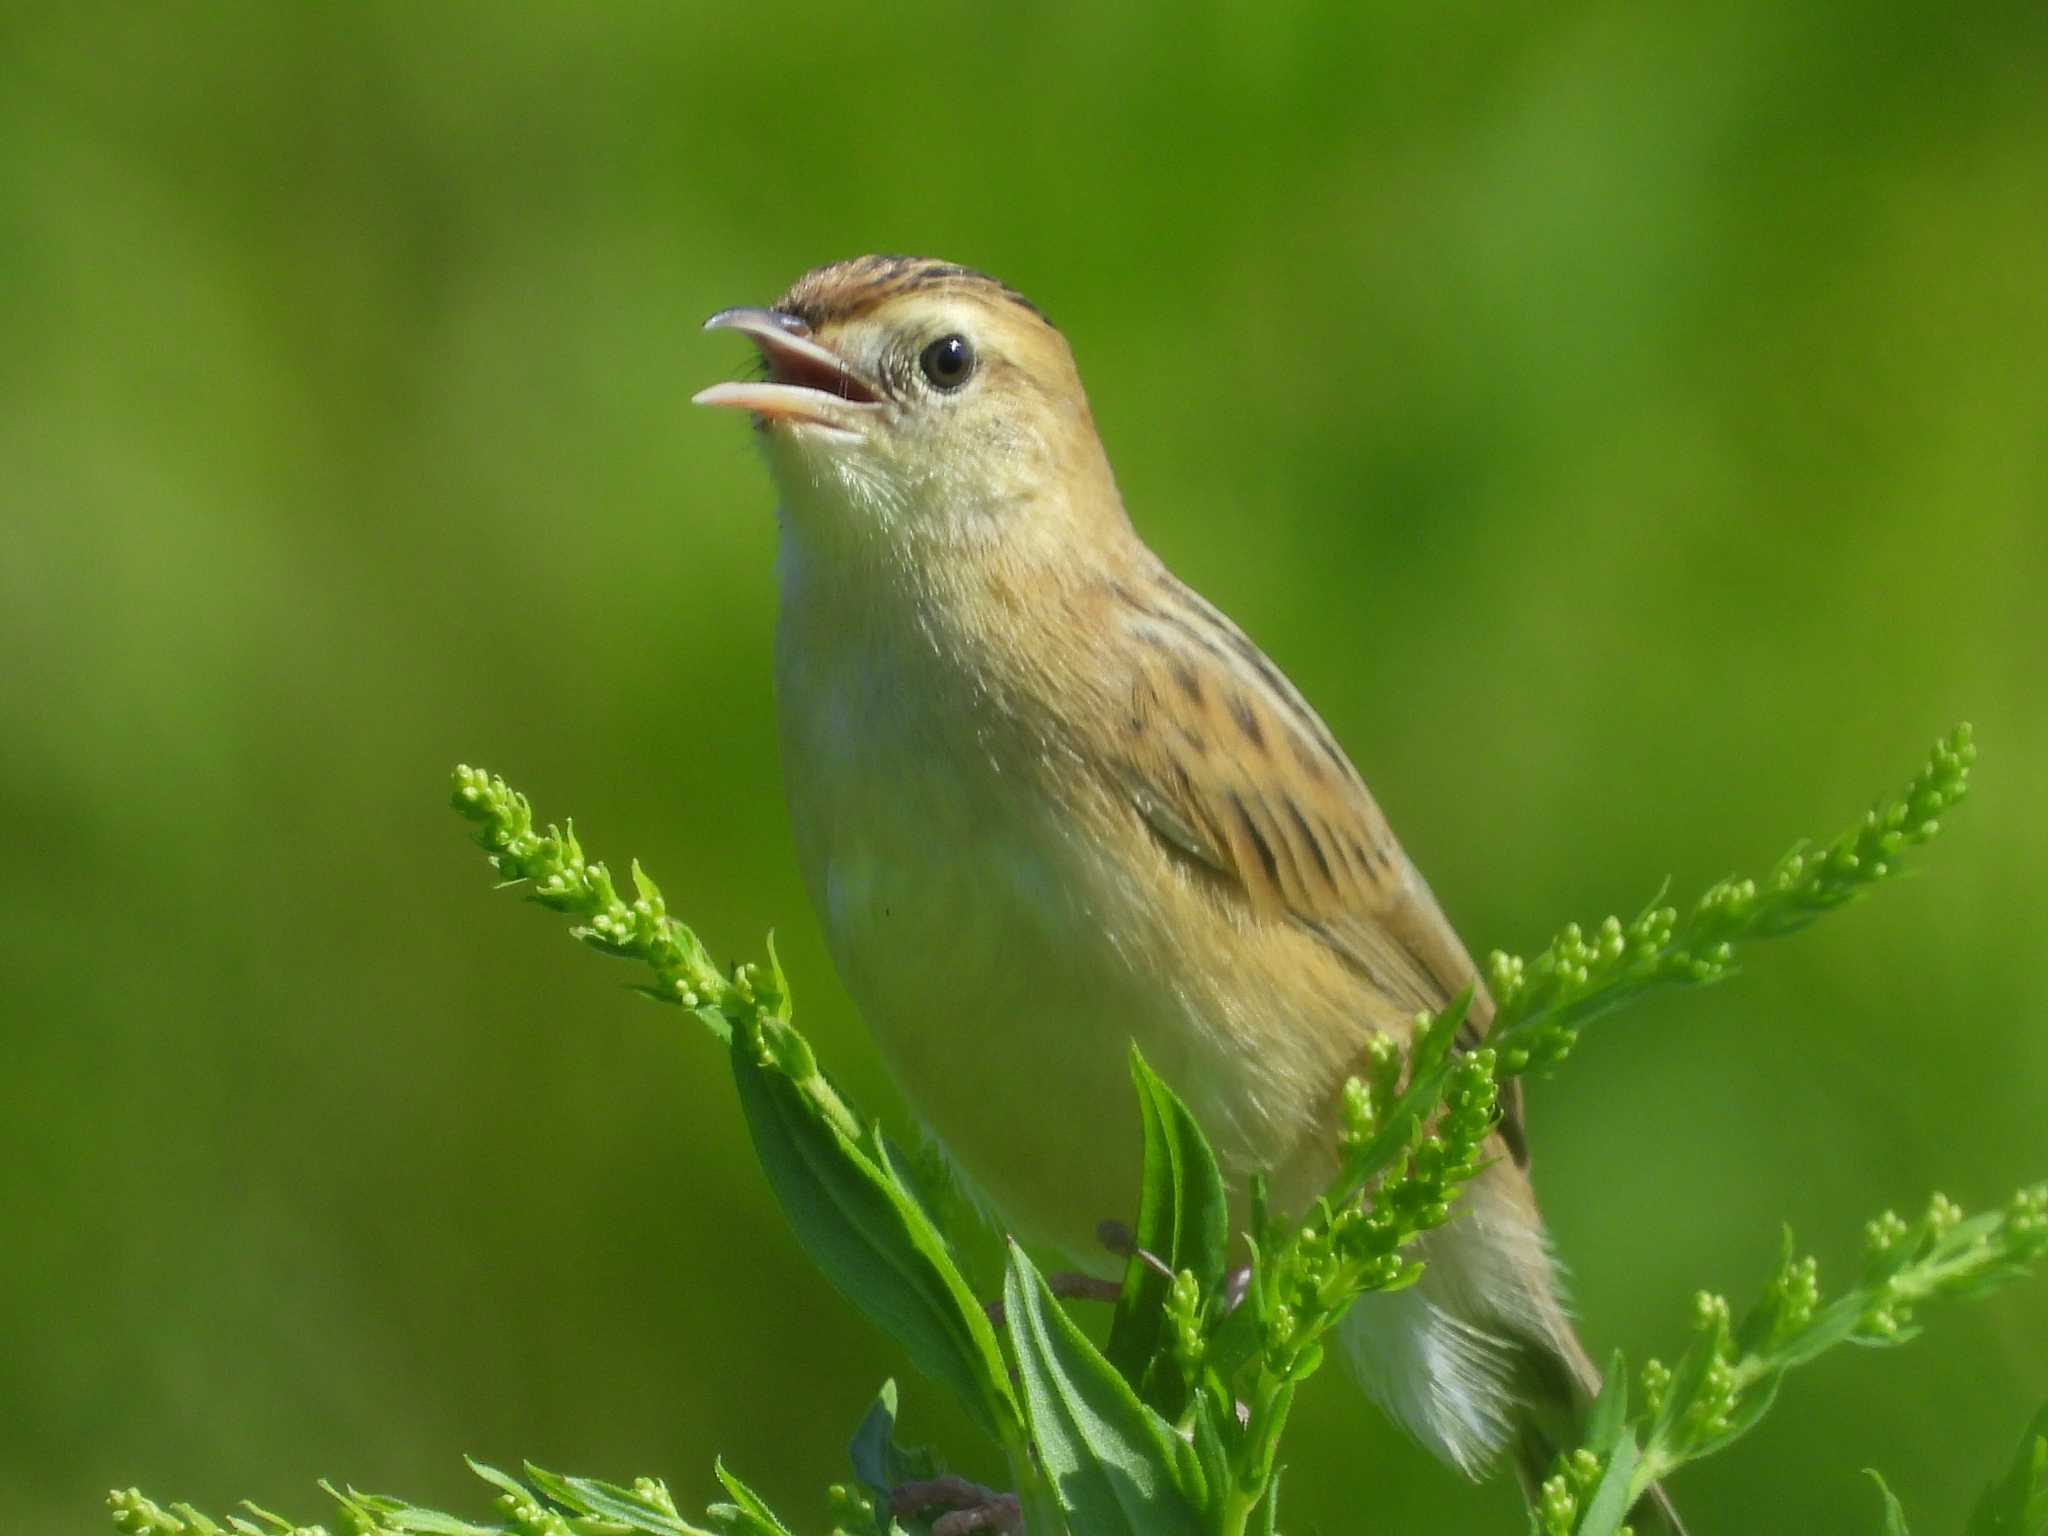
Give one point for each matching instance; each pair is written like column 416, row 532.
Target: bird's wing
column 1232, row 770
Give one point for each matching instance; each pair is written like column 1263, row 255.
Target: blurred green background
column 1626, row 423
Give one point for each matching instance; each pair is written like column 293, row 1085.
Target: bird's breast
column 992, row 943
column 1009, row 927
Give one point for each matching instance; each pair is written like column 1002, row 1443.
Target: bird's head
column 919, row 403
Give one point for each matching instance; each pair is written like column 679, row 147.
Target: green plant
column 1177, row 1425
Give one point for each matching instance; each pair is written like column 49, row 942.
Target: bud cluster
column 1541, row 1004
column 564, row 880
column 1347, row 1249
column 1565, row 1494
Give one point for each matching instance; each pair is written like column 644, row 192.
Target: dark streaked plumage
column 1306, row 846
column 1050, row 803
column 846, row 289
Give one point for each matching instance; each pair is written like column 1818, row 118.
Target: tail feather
column 1441, row 1379
column 1469, row 1394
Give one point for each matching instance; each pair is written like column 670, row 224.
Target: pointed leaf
column 644, row 887
column 1687, row 1380
column 430, row 1522
column 2017, row 1504
column 1241, row 1335
column 1894, row 1513
column 1117, row 1468
column 869, row 1450
column 861, row 1225
column 505, row 1482
column 1760, row 1324
column 1269, row 1506
column 1834, row 1324
column 1755, row 1403
column 747, row 1510
column 878, row 1461
column 1212, row 1448
column 1183, row 1222
column 1610, row 1502
column 608, row 1501
column 1609, row 1414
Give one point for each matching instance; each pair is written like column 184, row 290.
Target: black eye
column 948, row 362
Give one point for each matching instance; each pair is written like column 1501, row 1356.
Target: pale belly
column 1003, row 962
column 1007, row 945
column 972, row 941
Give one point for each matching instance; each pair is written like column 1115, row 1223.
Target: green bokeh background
column 1626, row 423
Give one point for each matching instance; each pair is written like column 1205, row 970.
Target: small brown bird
column 1048, row 801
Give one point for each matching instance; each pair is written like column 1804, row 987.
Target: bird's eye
column 948, row 362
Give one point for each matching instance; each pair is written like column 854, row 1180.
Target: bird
column 1049, row 802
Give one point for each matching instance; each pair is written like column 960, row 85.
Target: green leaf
column 1117, row 1468
column 503, row 1481
column 1211, row 1439
column 2017, row 1504
column 1749, row 1410
column 1611, row 1499
column 783, row 1000
column 608, row 1501
column 1706, row 1349
column 747, row 1512
column 1762, row 1323
column 425, row 1522
column 862, row 1226
column 1609, row 1413
column 1183, row 1222
column 1429, row 1069
column 1269, row 1506
column 877, row 1460
column 1833, row 1325
column 870, row 1447
column 1257, row 1470
column 1894, row 1514
column 706, row 1014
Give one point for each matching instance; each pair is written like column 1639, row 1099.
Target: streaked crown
column 843, row 290
column 911, row 400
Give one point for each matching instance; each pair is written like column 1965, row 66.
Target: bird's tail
column 1522, row 1388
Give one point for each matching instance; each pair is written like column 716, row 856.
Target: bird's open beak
column 807, row 384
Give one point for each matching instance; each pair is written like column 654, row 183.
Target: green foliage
column 1177, row 1426
column 1115, row 1464
column 1729, row 1374
column 1228, row 1370
column 1543, row 1003
column 1183, row 1225
column 1306, row 1273
column 2015, row 1505
column 861, row 1224
column 856, row 1217
column 880, row 1464
column 544, row 1504
column 553, row 865
column 1894, row 1512
column 1611, row 416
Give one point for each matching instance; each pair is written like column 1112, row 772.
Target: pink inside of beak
column 788, row 365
